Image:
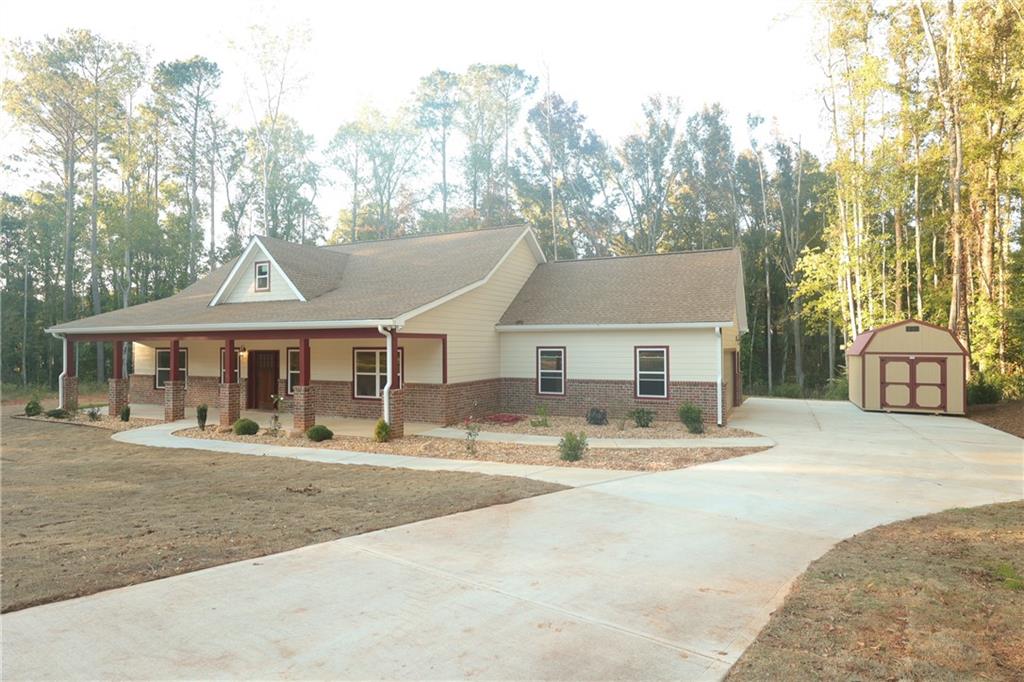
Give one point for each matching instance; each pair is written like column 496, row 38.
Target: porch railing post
column 117, row 390
column 229, row 396
column 174, row 388
column 69, row 377
column 304, row 394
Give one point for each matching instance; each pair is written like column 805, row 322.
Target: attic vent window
column 263, row 275
column 913, row 328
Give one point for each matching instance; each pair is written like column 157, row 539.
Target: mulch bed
column 636, row 459
column 1008, row 416
column 615, row 428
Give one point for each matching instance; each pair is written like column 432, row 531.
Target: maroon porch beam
column 254, row 334
column 229, row 361
column 118, row 359
column 393, row 361
column 174, row 360
column 304, row 361
column 71, row 359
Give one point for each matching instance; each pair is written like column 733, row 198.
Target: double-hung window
column 370, row 372
column 163, row 365
column 651, row 372
column 263, row 275
column 236, row 373
column 293, row 369
column 551, row 371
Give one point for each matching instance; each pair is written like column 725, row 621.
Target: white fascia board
column 608, row 327
column 224, row 327
column 534, row 246
column 230, row 281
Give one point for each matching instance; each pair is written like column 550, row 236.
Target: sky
column 750, row 56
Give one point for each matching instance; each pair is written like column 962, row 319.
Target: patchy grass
column 938, row 597
column 83, row 513
column 1006, row 416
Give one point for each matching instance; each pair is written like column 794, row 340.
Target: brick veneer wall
column 199, row 390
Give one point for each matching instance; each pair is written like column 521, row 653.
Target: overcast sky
column 750, row 56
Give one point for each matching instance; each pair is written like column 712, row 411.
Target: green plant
column 126, row 413
column 597, row 416
column 319, row 432
column 1008, row 575
column 93, row 413
column 58, row 413
column 981, row 391
column 382, row 431
column 573, row 446
column 690, row 415
column 642, row 417
column 542, row 418
column 33, row 408
column 788, row 391
column 245, row 427
column 201, row 416
column 837, row 389
column 472, row 433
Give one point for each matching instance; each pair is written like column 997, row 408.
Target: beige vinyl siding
column 609, row 354
column 473, row 345
column 243, row 288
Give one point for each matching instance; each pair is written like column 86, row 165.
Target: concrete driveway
column 666, row 575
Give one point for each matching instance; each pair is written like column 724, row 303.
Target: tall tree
column 437, row 103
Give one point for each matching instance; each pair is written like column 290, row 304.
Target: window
column 263, row 275
column 370, row 371
column 237, row 371
column 651, row 372
column 293, row 369
column 163, row 365
column 551, row 371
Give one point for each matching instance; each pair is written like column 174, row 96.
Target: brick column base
column 174, row 400
column 117, row 396
column 303, row 408
column 229, row 403
column 70, row 393
column 397, row 423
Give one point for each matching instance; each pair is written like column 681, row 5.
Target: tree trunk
column 898, row 231
column 24, row 324
column 213, row 189
column 917, row 225
column 94, row 265
column 69, row 226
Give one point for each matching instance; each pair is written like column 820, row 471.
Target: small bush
column 642, row 417
column 837, row 389
column 93, row 413
column 33, row 408
column 472, row 433
column 126, row 413
column 245, row 427
column 572, row 446
column 690, row 415
column 382, row 431
column 597, row 416
column 58, row 413
column 542, row 418
column 201, row 416
column 319, row 432
column 981, row 391
column 788, row 391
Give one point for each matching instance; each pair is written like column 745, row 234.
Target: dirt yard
column 1008, row 416
column 615, row 428
column 938, row 597
column 82, row 513
column 633, row 459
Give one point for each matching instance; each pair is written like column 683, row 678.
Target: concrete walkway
column 162, row 435
column 607, row 443
column 662, row 575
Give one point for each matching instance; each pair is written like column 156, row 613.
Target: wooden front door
column 917, row 383
column 263, row 373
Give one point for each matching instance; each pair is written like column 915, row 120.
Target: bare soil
column 938, row 597
column 633, row 459
column 1008, row 416
column 82, row 513
column 615, row 428
column 81, row 418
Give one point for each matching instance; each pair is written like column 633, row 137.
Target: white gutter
column 608, row 327
column 64, row 371
column 718, row 384
column 214, row 327
column 386, row 391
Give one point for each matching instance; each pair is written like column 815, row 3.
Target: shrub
column 201, row 416
column 33, row 408
column 126, row 413
column 472, row 432
column 245, row 427
column 93, row 413
column 597, row 416
column 690, row 415
column 542, row 417
column 319, row 432
column 572, row 446
column 58, row 413
column 382, row 431
column 788, row 391
column 642, row 417
column 837, row 389
column 981, row 391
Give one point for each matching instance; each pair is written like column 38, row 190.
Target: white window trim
column 380, row 371
column 238, row 365
column 647, row 374
column 290, row 385
column 549, row 373
column 157, row 368
column 256, row 276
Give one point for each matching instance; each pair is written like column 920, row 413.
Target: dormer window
column 263, row 275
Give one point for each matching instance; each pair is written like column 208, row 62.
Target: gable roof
column 691, row 287
column 359, row 284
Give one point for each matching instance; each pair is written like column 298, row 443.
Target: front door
column 917, row 383
column 263, row 373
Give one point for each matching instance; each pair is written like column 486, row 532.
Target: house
column 431, row 328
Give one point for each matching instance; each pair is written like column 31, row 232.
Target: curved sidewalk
column 607, row 443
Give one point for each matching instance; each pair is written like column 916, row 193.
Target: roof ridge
column 420, row 235
column 691, row 252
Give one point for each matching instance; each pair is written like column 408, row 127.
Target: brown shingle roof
column 693, row 286
column 372, row 280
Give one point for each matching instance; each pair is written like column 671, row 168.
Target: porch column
column 117, row 393
column 229, row 398
column 397, row 392
column 174, row 389
column 69, row 377
column 304, row 394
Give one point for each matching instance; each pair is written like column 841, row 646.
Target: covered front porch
column 345, row 378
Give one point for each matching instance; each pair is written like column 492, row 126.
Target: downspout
column 718, row 384
column 386, row 391
column 64, row 366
